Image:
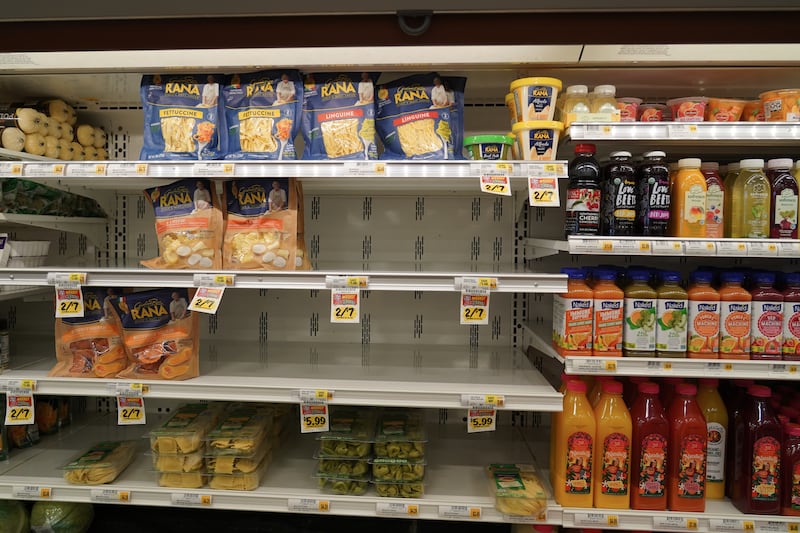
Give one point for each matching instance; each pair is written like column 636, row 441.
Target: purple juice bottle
column 652, row 196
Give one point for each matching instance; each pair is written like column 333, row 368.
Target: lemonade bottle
column 613, row 447
column 572, row 315
column 576, row 100
column 730, row 179
column 689, row 200
column 671, row 316
column 703, row 319
column 751, row 201
column 609, row 307
column 717, row 423
column 573, row 449
column 638, row 330
column 604, row 99
column 734, row 321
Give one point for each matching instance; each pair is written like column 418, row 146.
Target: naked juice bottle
column 717, row 423
column 751, row 201
column 572, row 315
column 574, row 449
column 734, row 321
column 639, row 335
column 766, row 323
column 791, row 317
column 613, row 448
column 689, row 200
column 609, row 307
column 671, row 316
column 649, row 457
column 703, row 320
column 687, row 452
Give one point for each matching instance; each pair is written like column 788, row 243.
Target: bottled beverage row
column 690, row 198
column 670, row 446
column 641, row 312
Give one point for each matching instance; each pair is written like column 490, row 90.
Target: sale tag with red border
column 494, row 184
column 474, row 307
column 69, row 300
column 130, row 411
column 207, row 300
column 345, row 306
column 543, row 192
column 20, row 409
column 481, row 420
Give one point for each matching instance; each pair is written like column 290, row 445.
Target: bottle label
column 671, row 330
column 607, row 327
column 622, row 212
column 796, row 486
column 703, row 326
column 715, row 197
column 540, row 98
column 765, row 469
column 694, row 205
column 616, row 448
column 786, row 214
column 583, row 211
column 715, row 466
column 579, row 463
column 735, row 328
column 691, row 470
column 791, row 328
column 572, row 324
column 767, row 328
column 653, row 205
column 653, row 466
column 757, row 210
column 639, row 328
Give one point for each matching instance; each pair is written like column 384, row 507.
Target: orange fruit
column 697, row 344
column 728, row 345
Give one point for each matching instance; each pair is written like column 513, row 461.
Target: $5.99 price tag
column 496, row 185
column 480, row 420
column 207, row 300
column 19, row 409
column 345, row 306
column 543, row 192
column 130, row 411
column 475, row 306
column 314, row 418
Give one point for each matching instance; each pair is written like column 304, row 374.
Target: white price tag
column 782, row 370
column 476, row 283
column 315, row 395
column 309, row 505
column 364, row 168
column 494, row 184
column 789, row 249
column 491, row 169
column 592, row 366
column 718, row 369
column 666, row 247
column 314, row 418
column 598, row 131
column 31, row 492
column 110, row 496
column 397, row 509
column 130, row 411
column 189, row 499
column 479, row 401
column 596, row 520
column 731, row 524
column 347, row 282
column 629, row 247
column 762, row 249
column 211, row 170
column 10, row 170
column 463, row 512
column 700, row 248
column 126, row 170
column 44, row 170
column 772, row 526
column 345, row 306
column 481, row 420
column 214, row 280
column 578, row 245
column 128, row 389
column 546, row 169
column 82, row 170
column 543, row 192
column 682, row 131
column 732, row 248
column 676, row 523
column 474, row 308
column 20, row 409
column 207, row 300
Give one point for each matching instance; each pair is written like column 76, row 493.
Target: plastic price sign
column 207, row 300
column 345, row 306
column 130, row 411
column 494, row 184
column 543, row 192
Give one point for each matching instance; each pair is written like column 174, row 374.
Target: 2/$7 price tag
column 130, row 411
column 475, row 306
column 496, row 184
column 69, row 295
column 207, row 300
column 20, row 409
column 346, row 306
column 543, row 192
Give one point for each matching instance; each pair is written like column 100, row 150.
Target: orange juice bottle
column 609, row 306
column 572, row 486
column 716, row 416
column 556, row 426
column 572, row 315
column 734, row 320
column 689, row 200
column 612, row 449
column 597, row 390
column 704, row 310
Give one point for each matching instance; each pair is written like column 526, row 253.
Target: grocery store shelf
column 666, row 246
column 379, row 280
column 455, row 474
column 12, row 155
column 538, row 337
column 749, row 133
column 93, row 227
column 433, row 376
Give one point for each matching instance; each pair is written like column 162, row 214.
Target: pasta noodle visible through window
column 255, row 135
column 177, row 132
column 341, row 137
column 418, row 137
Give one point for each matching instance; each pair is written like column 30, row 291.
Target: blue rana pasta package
column 182, row 119
column 421, row 117
column 262, row 112
column 339, row 116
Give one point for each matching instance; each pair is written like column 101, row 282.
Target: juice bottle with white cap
column 751, row 201
column 604, row 99
column 576, row 100
column 689, row 200
column 730, row 178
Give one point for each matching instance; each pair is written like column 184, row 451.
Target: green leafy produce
column 62, row 517
column 13, row 517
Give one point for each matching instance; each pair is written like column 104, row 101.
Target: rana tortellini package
column 102, row 463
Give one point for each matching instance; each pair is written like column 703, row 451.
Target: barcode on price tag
column 682, row 131
column 464, row 512
column 364, row 168
column 700, row 248
column 762, row 249
column 309, row 505
column 213, row 169
column 126, row 170
column 188, row 499
column 677, row 523
column 732, row 248
column 731, row 524
column 110, row 496
column 660, row 247
column 130, row 411
column 31, row 492
column 596, row 519
column 397, row 509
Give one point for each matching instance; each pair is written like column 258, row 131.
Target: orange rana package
column 90, row 346
column 160, row 335
column 189, row 225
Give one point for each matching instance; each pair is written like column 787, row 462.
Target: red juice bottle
column 649, row 450
column 686, row 486
column 715, row 200
column 790, row 478
column 766, row 324
column 734, row 401
column 791, row 317
column 783, row 203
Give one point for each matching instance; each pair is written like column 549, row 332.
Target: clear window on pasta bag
column 262, row 113
column 339, row 116
column 160, row 334
column 261, row 224
column 182, row 117
column 421, row 117
column 90, row 346
column 188, row 225
column 302, row 260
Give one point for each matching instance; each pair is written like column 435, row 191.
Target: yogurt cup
column 651, row 112
column 488, row 147
column 724, row 109
column 628, row 109
column 537, row 140
column 512, row 108
column 689, row 109
column 535, row 98
column 781, row 105
column 753, row 111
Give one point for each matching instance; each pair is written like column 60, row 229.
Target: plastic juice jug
column 574, row 449
column 783, row 200
column 687, row 452
column 649, row 450
column 652, row 196
column 668, row 390
column 613, row 444
column 572, row 315
column 597, row 390
column 630, row 389
column 791, row 317
column 734, row 320
column 671, row 316
column 618, row 204
column 716, row 416
column 556, row 426
column 766, row 323
column 609, row 307
column 689, row 200
column 576, row 100
column 703, row 319
column 639, row 335
column 715, row 200
column 734, row 403
column 790, row 471
column 604, row 99
column 730, row 179
column 757, row 468
column 751, row 201
column 583, row 193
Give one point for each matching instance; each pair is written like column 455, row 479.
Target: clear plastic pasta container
column 352, row 432
column 101, row 464
column 391, row 489
column 241, row 432
column 241, row 481
column 179, row 462
column 517, row 488
column 238, row 464
column 342, row 484
column 398, row 470
column 348, row 467
column 186, row 430
column 400, row 435
column 185, row 480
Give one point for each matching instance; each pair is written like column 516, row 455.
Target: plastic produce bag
column 13, row 517
column 62, row 517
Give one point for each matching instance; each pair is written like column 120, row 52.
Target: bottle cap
column 689, row 162
column 686, row 389
column 576, row 385
column 639, row 275
column 655, row 153
column 759, row 391
column 648, row 387
column 574, row 273
column 671, row 276
column 734, row 167
column 709, row 382
column 732, row 277
column 702, row 276
column 586, row 148
column 577, row 89
column 605, row 274
column 764, row 277
column 792, row 278
column 608, row 90
column 743, row 383
column 709, row 165
column 612, row 387
column 620, row 154
column 751, row 163
column 785, row 163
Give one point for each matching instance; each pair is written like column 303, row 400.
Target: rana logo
column 253, row 195
column 259, row 87
column 542, row 135
column 407, row 95
column 540, row 91
column 177, row 196
column 337, row 88
column 491, row 149
column 674, row 305
column 149, row 309
column 90, row 302
column 182, row 87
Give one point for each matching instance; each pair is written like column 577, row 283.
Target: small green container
column 488, row 147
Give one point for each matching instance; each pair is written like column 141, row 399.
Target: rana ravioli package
column 101, row 464
column 189, row 225
column 160, row 335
